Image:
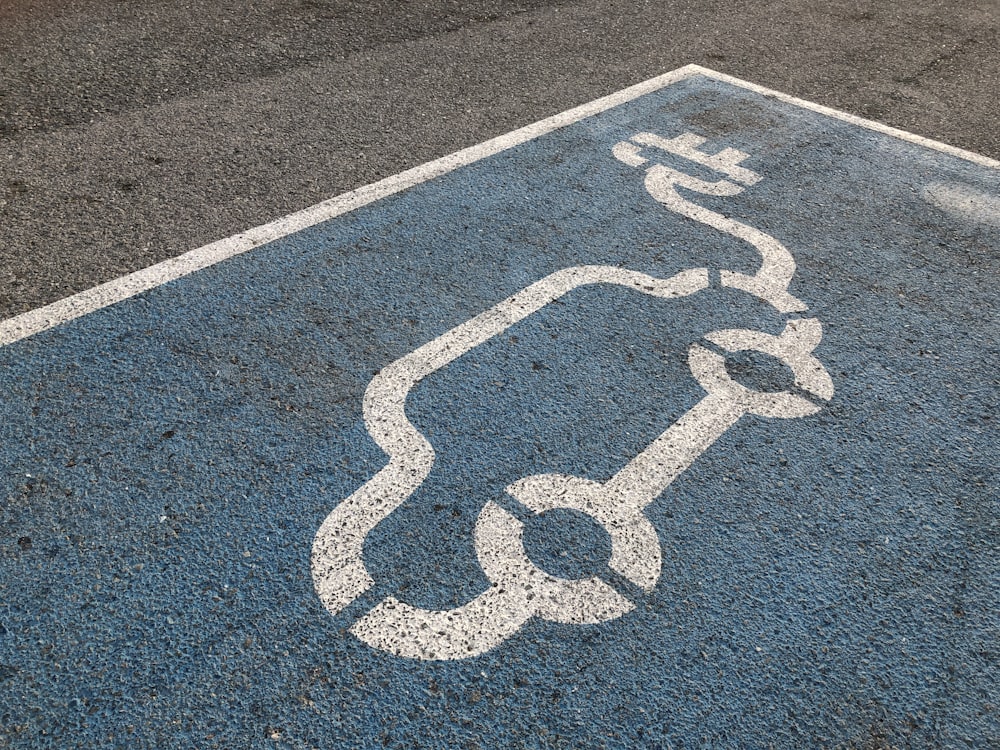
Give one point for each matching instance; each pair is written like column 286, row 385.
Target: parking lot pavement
column 667, row 421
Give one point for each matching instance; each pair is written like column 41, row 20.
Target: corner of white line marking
column 117, row 290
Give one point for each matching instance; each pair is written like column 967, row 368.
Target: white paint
column 836, row 114
column 338, row 570
column 43, row 318
column 771, row 281
column 794, row 347
column 727, row 161
column 628, row 153
column 964, row 202
column 619, row 504
column 519, row 590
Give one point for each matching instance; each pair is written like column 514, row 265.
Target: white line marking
column 519, row 590
column 771, row 281
column 619, row 503
column 49, row 316
column 837, row 114
column 338, row 570
column 43, row 318
column 777, row 265
column 727, row 161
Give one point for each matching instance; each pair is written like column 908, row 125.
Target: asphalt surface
column 208, row 542
column 167, row 462
column 131, row 132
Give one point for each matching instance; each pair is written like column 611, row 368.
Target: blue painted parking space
column 671, row 427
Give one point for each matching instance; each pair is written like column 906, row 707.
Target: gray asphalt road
column 134, row 131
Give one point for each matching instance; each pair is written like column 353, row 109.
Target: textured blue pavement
column 830, row 581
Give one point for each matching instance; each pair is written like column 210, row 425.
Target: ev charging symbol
column 519, row 589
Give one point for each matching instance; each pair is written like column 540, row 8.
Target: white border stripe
column 42, row 318
column 836, row 114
